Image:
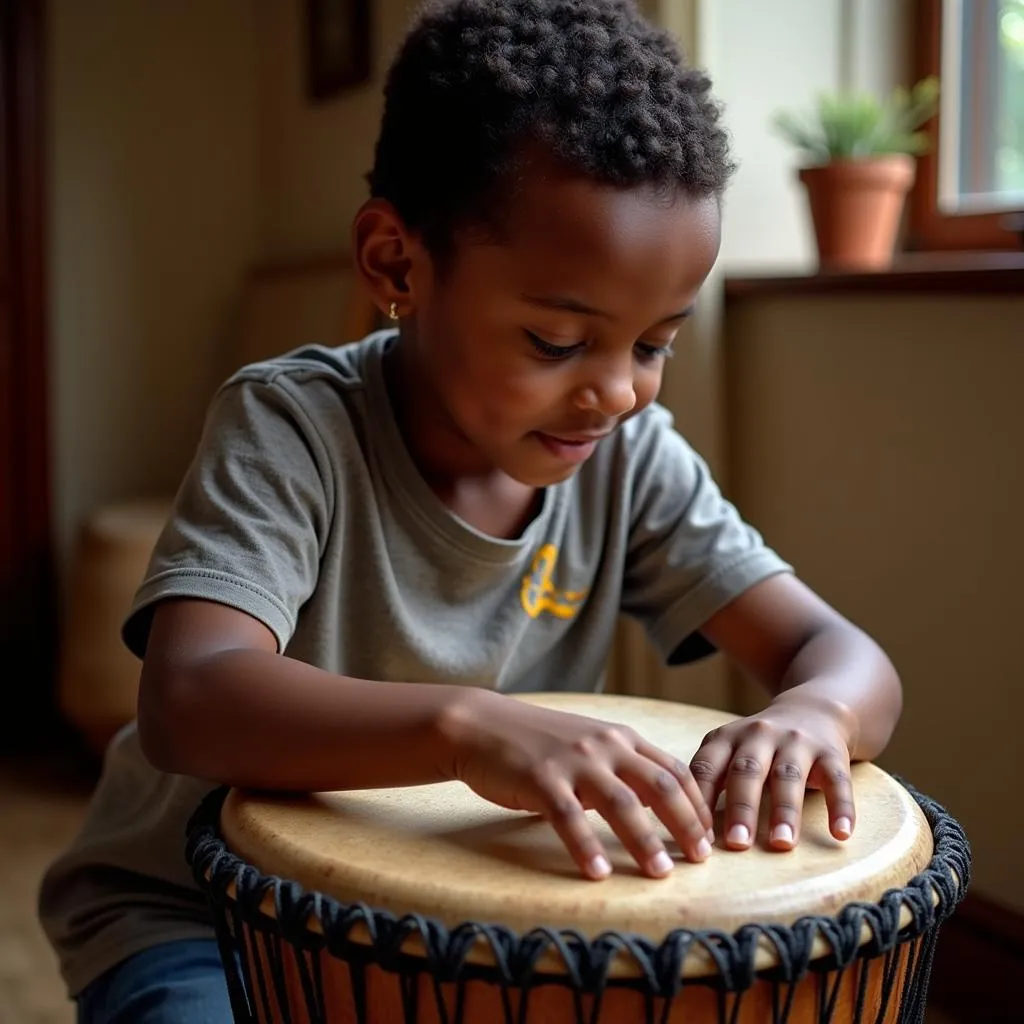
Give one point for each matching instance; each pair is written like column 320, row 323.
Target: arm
column 835, row 698
column 803, row 651
column 216, row 701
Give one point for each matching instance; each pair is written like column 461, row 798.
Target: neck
column 442, row 453
column 466, row 482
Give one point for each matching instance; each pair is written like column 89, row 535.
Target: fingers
column 620, row 805
column 564, row 811
column 787, row 783
column 744, row 785
column 620, row 776
column 708, row 766
column 831, row 774
column 666, row 793
column 792, row 768
column 680, row 771
column 620, row 790
column 622, row 808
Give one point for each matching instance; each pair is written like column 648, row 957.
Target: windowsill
column 968, row 273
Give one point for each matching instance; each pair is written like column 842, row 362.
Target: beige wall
column 313, row 158
column 182, row 150
column 758, row 65
column 152, row 142
column 878, row 444
column 764, row 57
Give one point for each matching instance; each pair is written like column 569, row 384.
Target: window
column 970, row 189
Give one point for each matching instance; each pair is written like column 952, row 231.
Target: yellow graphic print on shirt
column 539, row 593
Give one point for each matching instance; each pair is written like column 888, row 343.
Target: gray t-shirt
column 304, row 509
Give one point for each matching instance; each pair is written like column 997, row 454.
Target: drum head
column 443, row 852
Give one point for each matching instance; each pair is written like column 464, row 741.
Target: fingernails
column 783, row 833
column 739, row 835
column 703, row 849
column 600, row 867
column 661, row 863
column 711, row 835
column 843, row 827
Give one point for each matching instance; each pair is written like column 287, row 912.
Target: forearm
column 256, row 719
column 844, row 670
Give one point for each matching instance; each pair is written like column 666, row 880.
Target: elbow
column 895, row 691
column 886, row 707
column 161, row 720
column 890, row 683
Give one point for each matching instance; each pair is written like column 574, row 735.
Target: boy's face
column 541, row 344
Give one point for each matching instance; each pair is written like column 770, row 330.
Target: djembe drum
column 429, row 905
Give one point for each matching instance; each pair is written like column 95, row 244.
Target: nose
column 608, row 388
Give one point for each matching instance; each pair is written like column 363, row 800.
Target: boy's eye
column 647, row 351
column 549, row 350
column 644, row 350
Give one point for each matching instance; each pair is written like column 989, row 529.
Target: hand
column 791, row 745
column 558, row 765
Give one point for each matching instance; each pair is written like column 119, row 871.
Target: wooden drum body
column 431, row 905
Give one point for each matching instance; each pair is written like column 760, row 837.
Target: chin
column 541, row 476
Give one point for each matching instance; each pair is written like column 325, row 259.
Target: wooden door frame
column 30, row 621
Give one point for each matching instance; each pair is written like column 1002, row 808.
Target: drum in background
column 430, row 905
column 98, row 684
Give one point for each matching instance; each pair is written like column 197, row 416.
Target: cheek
column 508, row 398
column 496, row 392
column 647, row 384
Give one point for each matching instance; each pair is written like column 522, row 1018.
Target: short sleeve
column 249, row 520
column 689, row 552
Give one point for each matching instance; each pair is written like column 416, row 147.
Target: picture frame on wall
column 337, row 47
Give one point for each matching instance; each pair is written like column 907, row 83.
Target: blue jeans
column 174, row 983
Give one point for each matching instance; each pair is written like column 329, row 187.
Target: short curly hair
column 476, row 81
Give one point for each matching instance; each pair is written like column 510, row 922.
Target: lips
column 575, row 438
column 570, row 447
column 581, row 435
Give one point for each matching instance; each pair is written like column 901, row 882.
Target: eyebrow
column 574, row 306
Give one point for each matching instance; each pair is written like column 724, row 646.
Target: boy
column 375, row 545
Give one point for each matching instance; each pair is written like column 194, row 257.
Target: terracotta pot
column 856, row 207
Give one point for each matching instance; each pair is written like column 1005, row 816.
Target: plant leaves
column 854, row 125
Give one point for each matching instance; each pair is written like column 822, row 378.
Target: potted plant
column 858, row 166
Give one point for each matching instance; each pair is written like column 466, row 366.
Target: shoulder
column 646, row 460
column 647, row 427
column 649, row 442
column 645, row 456
column 313, row 388
column 345, row 368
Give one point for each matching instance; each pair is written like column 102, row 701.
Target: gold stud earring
column 393, row 311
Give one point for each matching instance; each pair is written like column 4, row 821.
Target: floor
column 41, row 805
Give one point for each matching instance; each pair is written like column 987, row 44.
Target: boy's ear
column 386, row 256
